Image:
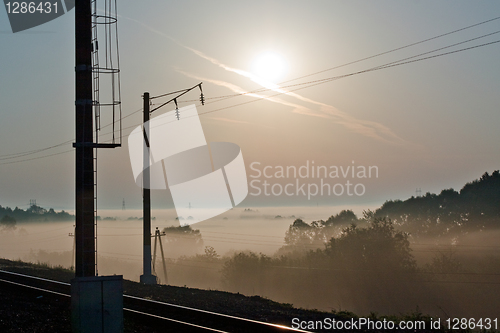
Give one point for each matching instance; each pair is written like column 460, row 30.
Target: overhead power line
column 367, row 58
column 308, row 84
column 36, row 158
column 387, row 65
column 302, row 85
column 26, row 153
column 330, row 79
column 396, row 49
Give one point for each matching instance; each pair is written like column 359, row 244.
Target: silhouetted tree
column 304, row 236
column 342, row 218
column 379, row 246
column 182, row 240
column 475, row 207
column 35, row 213
column 8, row 223
column 444, row 263
column 210, row 253
column 244, row 271
column 301, row 234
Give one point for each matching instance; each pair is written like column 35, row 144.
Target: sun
column 269, row 66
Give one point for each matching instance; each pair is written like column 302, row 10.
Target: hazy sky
column 430, row 124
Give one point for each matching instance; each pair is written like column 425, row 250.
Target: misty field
column 281, row 254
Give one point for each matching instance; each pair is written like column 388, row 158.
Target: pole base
column 97, row 304
column 149, row 279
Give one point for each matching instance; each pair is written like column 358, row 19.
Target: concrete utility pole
column 146, row 277
column 96, row 301
column 158, row 235
column 84, row 233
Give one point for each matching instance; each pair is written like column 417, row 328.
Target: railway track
column 163, row 315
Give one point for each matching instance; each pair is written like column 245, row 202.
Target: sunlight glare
column 269, row 66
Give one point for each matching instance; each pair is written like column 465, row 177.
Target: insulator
column 202, row 98
column 176, row 109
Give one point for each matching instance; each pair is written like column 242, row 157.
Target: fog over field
column 456, row 276
column 120, row 231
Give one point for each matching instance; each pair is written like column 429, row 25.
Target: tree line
column 34, row 213
column 475, row 207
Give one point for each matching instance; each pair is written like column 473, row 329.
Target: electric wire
column 26, row 153
column 281, row 237
column 321, row 81
column 308, row 84
column 167, row 94
column 220, row 262
column 356, row 61
column 396, row 49
column 234, row 240
column 36, row 158
column 302, row 85
column 231, row 239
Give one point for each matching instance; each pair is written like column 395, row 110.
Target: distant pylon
column 418, row 192
column 72, row 234
column 123, row 204
column 33, row 206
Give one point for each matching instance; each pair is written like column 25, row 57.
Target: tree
column 210, row 253
column 377, row 247
column 301, row 236
column 444, row 263
column 8, row 223
column 244, row 271
column 300, row 233
column 182, row 240
column 333, row 226
column 476, row 207
column 344, row 217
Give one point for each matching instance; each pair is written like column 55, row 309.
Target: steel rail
column 234, row 319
